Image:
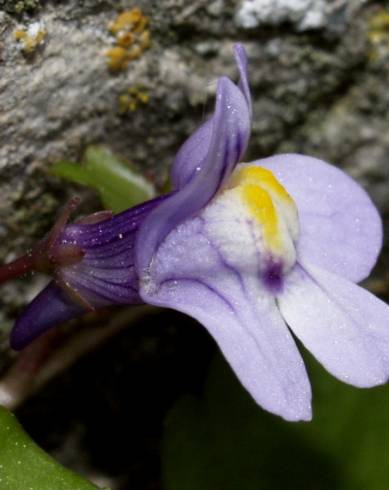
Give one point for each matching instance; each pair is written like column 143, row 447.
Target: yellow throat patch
column 268, row 203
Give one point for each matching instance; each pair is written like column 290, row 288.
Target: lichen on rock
column 30, row 37
column 303, row 14
column 131, row 37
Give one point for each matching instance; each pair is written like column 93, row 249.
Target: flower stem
column 17, row 267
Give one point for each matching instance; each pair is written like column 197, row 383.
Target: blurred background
column 154, row 406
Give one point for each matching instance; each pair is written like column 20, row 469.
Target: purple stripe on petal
column 344, row 326
column 256, row 343
column 112, row 289
column 230, row 132
column 51, row 307
column 106, row 232
column 190, row 274
column 340, row 228
column 106, row 274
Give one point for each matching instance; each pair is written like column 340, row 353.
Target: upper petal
column 228, row 139
column 192, row 155
column 341, row 229
column 344, row 326
column 196, row 153
column 242, row 63
column 191, row 274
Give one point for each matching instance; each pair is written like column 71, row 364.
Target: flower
column 255, row 252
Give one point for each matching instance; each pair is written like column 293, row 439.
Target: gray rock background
column 319, row 74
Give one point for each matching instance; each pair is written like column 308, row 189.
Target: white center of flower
column 253, row 221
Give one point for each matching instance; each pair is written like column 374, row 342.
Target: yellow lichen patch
column 144, row 40
column 130, row 20
column 130, row 101
column 117, row 58
column 125, row 39
column 131, row 38
column 378, row 34
column 30, row 37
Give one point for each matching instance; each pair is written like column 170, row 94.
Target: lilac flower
column 253, row 251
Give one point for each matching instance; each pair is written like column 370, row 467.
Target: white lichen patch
column 31, row 37
column 303, row 14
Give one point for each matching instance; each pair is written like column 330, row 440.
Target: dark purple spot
column 273, row 278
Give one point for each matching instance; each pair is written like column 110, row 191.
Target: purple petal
column 230, row 131
column 341, row 229
column 344, row 326
column 241, row 61
column 51, row 307
column 196, row 155
column 190, row 274
column 191, row 155
column 106, row 274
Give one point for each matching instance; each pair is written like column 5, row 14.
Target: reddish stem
column 18, row 267
column 48, row 253
column 61, row 221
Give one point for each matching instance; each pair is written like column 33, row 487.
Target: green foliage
column 119, row 184
column 224, row 441
column 24, row 466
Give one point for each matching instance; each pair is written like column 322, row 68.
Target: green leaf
column 224, row 441
column 71, row 171
column 119, row 184
column 25, row 466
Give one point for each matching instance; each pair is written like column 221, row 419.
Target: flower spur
column 253, row 251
